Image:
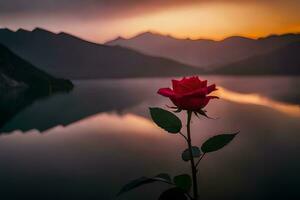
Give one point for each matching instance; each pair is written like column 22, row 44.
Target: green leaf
column 135, row 183
column 144, row 180
column 173, row 194
column 163, row 177
column 186, row 154
column 183, row 182
column 217, row 142
column 166, row 120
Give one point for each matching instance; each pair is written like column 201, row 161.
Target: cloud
column 84, row 7
column 99, row 20
column 104, row 8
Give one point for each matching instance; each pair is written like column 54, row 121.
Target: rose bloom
column 189, row 93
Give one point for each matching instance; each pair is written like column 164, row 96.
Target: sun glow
column 213, row 20
column 191, row 19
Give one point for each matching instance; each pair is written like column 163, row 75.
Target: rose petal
column 201, row 92
column 175, row 85
column 211, row 88
column 204, row 83
column 191, row 83
column 167, row 92
column 179, row 88
column 203, row 102
column 191, row 103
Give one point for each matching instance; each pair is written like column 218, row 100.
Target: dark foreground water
column 88, row 143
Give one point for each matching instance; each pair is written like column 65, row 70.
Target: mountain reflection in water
column 112, row 123
column 97, row 96
column 99, row 136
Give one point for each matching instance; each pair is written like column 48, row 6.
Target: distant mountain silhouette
column 67, row 56
column 202, row 52
column 16, row 72
column 21, row 84
column 282, row 61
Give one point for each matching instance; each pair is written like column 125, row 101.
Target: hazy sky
column 101, row 20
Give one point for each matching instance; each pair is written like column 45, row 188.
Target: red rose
column 189, row 93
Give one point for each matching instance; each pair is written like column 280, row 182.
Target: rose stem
column 193, row 167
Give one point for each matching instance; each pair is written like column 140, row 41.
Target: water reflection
column 257, row 99
column 106, row 138
column 111, row 123
column 88, row 98
column 14, row 101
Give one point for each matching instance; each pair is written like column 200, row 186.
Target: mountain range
column 207, row 54
column 21, row 84
column 67, row 56
column 281, row 61
column 153, row 55
column 16, row 72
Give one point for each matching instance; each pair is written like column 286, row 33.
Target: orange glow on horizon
column 194, row 20
column 209, row 21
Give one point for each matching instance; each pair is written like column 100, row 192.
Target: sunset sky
column 102, row 20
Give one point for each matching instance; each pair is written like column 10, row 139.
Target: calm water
column 88, row 143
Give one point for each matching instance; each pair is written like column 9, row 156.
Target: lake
column 88, row 143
